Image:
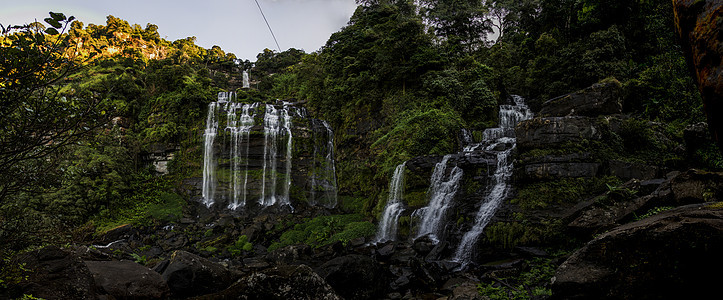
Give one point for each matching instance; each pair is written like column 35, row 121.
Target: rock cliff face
column 265, row 154
column 701, row 33
column 668, row 256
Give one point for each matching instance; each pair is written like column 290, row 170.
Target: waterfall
column 236, row 170
column 209, row 164
column 509, row 115
column 240, row 130
column 324, row 177
column 246, row 80
column 442, row 190
column 390, row 217
column 287, row 178
column 272, row 128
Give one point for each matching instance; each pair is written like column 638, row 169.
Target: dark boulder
column 598, row 99
column 671, row 255
column 282, row 282
column 53, row 273
column 127, row 280
column 188, row 274
column 630, row 170
column 355, row 276
column 548, row 132
column 699, row 25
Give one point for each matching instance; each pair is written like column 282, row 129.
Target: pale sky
column 236, row 26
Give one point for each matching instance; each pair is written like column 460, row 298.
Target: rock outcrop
column 188, row 274
column 54, row 273
column 598, row 99
column 672, row 255
column 127, row 280
column 354, row 276
column 283, row 282
column 699, row 26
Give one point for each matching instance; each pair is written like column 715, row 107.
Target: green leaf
column 52, row 22
column 57, row 16
column 51, row 31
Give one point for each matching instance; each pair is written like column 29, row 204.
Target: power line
column 267, row 25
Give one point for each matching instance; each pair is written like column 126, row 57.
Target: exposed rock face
column 699, row 26
column 354, row 277
column 598, row 99
column 671, row 255
column 542, row 132
column 127, row 280
column 283, row 282
column 56, row 274
column 188, row 275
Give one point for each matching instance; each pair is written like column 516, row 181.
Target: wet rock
column 290, row 255
column 630, row 170
column 173, row 241
column 385, row 252
column 122, row 232
column 466, row 291
column 55, row 274
column 355, row 276
column 127, row 280
column 282, row 282
column 674, row 254
column 547, row 132
column 188, row 275
column 423, row 245
column 699, row 26
column 556, row 170
column 598, row 99
column 531, row 251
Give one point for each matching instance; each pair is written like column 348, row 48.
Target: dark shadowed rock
column 290, row 255
column 555, row 170
column 281, row 283
column 630, row 170
column 699, row 26
column 55, row 274
column 355, row 276
column 671, row 255
column 188, row 274
column 598, row 99
column 127, row 280
column 546, row 132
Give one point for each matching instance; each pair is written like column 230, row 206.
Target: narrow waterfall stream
column 390, row 217
column 442, row 190
column 209, row 164
column 510, row 115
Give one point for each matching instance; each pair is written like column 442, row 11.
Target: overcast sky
column 236, row 26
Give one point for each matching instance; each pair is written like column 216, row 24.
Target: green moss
column 324, row 230
column 416, row 198
column 241, row 245
column 565, row 190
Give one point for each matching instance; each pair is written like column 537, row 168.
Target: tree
column 37, row 120
column 461, row 23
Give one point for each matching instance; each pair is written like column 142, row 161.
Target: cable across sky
column 267, row 25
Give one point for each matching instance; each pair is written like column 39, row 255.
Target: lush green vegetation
column 325, row 230
column 398, row 81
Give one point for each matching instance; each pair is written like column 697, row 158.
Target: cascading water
column 287, row 178
column 240, row 129
column 390, row 217
column 324, row 177
column 510, row 115
column 245, row 81
column 236, row 169
column 209, row 164
column 272, row 128
column 442, row 190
